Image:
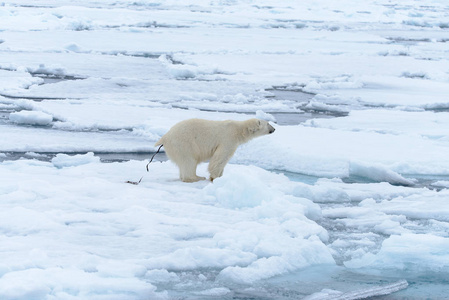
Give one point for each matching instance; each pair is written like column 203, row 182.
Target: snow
column 346, row 200
column 431, row 125
column 103, row 230
column 380, row 157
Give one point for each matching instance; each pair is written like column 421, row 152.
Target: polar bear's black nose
column 270, row 129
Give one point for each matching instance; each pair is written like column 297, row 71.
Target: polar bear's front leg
column 218, row 162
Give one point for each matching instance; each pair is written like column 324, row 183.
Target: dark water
column 106, row 157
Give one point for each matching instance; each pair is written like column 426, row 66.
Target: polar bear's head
column 257, row 127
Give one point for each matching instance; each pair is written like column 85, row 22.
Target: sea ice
column 366, row 191
column 31, row 118
column 415, row 254
column 359, row 294
column 108, row 230
column 64, row 160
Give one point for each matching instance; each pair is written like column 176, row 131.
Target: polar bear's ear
column 259, row 125
column 254, row 126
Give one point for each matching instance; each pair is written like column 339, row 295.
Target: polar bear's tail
column 159, row 149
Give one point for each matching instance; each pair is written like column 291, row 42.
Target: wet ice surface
column 347, row 200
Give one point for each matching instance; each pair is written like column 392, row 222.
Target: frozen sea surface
column 348, row 199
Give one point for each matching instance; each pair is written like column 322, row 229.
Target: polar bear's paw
column 193, row 179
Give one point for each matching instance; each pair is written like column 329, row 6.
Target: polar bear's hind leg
column 187, row 171
column 187, row 165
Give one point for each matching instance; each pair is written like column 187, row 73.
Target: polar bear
column 193, row 141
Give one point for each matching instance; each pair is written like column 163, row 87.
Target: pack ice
column 348, row 199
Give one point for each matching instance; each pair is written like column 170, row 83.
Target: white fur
column 193, row 141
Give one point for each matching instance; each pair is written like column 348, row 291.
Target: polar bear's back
column 197, row 129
